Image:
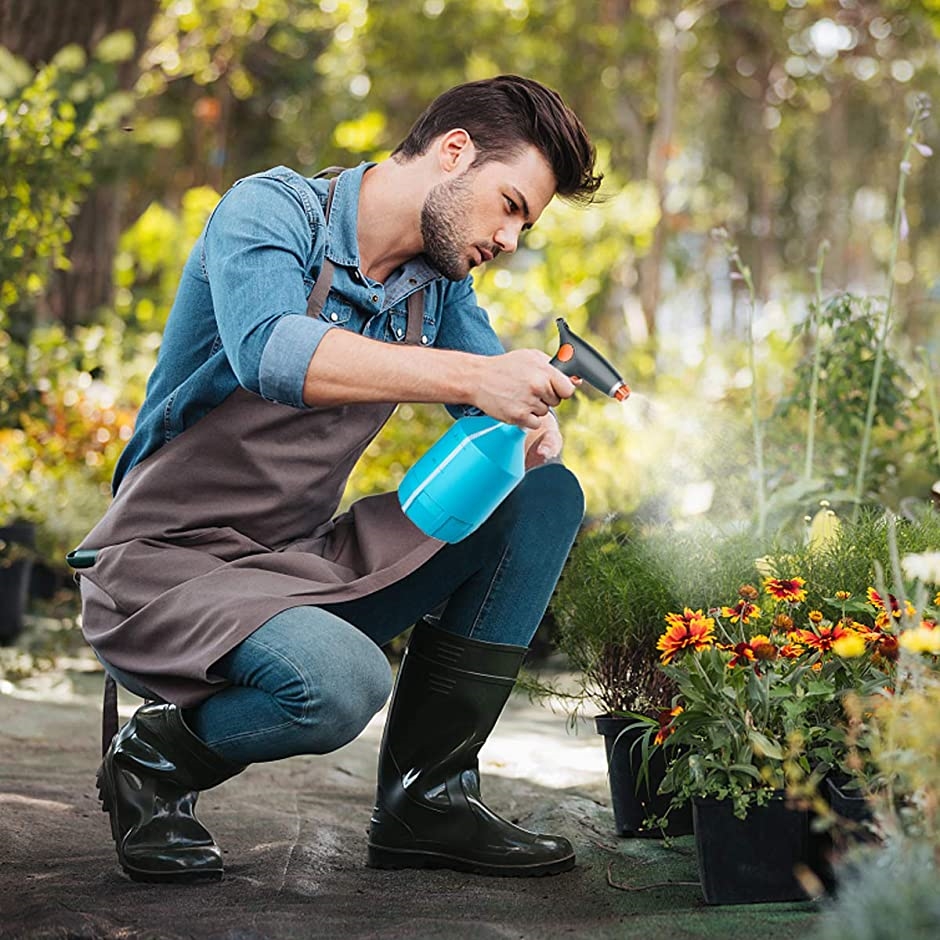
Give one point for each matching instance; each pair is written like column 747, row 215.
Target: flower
column 849, row 646
column 876, row 600
column 757, row 706
column 790, row 590
column 822, row 637
column 783, row 622
column 923, row 567
column 665, row 723
column 921, row 639
column 689, row 630
column 744, row 611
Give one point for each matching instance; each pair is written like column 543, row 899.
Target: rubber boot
column 428, row 811
column 148, row 783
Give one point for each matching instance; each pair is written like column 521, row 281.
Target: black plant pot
column 847, row 802
column 746, row 861
column 14, row 593
column 633, row 798
column 14, row 581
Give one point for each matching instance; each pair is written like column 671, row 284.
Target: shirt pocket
column 337, row 311
column 398, row 327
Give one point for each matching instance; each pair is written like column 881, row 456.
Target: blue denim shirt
column 239, row 317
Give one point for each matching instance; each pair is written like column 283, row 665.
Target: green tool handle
column 82, row 557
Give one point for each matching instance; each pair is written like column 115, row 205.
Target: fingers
column 521, row 387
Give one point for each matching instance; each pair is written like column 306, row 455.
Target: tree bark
column 35, row 30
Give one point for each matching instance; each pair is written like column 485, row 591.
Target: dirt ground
column 294, row 836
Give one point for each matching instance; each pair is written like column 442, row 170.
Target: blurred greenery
column 781, row 120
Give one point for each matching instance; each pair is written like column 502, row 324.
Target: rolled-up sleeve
column 257, row 252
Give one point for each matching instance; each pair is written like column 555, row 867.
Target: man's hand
column 517, row 387
column 520, row 386
column 544, row 443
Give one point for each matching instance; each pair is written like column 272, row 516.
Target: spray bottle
column 453, row 489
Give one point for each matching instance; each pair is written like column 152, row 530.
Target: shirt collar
column 342, row 245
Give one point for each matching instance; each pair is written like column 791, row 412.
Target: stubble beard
column 443, row 219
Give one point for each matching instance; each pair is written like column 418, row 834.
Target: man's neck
column 389, row 220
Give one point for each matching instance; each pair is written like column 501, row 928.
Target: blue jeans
column 310, row 679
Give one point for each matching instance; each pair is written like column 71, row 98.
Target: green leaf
column 116, row 47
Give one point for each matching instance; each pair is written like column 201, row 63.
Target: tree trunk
column 650, row 266
column 29, row 29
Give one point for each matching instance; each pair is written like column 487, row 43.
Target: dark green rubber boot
column 148, row 783
column 428, row 810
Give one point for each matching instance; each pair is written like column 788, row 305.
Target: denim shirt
column 239, row 317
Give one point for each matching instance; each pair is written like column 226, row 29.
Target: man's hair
column 504, row 114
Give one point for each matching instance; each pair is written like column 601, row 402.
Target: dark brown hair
column 504, row 114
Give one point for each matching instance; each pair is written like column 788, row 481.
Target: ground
column 294, row 836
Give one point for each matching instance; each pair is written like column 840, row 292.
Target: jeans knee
column 349, row 696
column 555, row 488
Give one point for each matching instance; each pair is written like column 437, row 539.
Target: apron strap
column 324, row 282
column 415, row 317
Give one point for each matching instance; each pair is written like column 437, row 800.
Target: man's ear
column 455, row 151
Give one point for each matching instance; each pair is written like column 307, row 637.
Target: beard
column 443, row 217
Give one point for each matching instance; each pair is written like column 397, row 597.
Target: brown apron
column 232, row 522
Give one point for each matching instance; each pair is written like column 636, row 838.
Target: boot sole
column 380, row 857
column 108, row 805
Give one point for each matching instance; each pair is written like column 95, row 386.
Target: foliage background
column 781, row 120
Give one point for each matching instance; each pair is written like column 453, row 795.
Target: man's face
column 473, row 217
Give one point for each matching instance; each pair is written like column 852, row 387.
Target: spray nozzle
column 577, row 358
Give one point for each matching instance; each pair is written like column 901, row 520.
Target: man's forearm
column 347, row 367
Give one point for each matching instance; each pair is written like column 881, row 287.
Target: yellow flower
column 849, row 646
column 843, row 595
column 921, row 640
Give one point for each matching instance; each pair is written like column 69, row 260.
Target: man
column 223, row 588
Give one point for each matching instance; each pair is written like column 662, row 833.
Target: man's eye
column 511, row 205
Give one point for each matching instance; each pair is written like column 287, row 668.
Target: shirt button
column 412, row 280
column 334, row 317
column 400, row 332
column 375, row 298
column 424, row 340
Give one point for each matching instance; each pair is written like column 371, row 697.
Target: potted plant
column 618, row 584
column 761, row 686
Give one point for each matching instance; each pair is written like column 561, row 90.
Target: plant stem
column 758, row 430
column 903, row 171
column 817, row 356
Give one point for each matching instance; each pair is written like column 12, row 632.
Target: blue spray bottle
column 452, row 490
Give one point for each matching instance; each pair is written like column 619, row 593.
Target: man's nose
column 507, row 239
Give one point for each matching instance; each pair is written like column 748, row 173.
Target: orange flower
column 876, row 601
column 689, row 630
column 843, row 595
column 743, row 654
column 665, row 723
column 815, row 616
column 783, row 622
column 744, row 611
column 822, row 638
column 886, row 648
column 764, row 647
column 786, row 589
column 748, row 592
